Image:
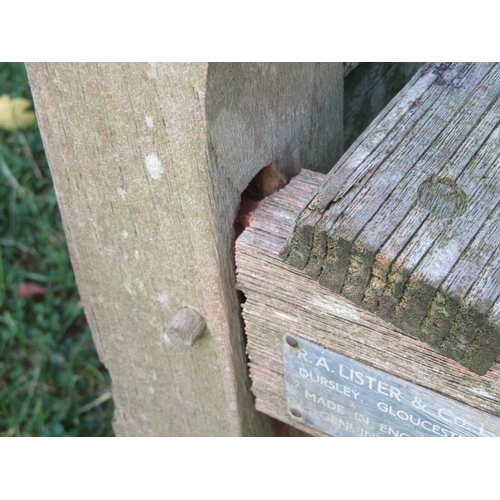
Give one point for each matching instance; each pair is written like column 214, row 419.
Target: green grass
column 51, row 381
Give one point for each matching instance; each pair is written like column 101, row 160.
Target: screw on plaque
column 296, row 413
column 291, row 341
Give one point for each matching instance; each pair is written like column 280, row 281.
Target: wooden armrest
column 406, row 224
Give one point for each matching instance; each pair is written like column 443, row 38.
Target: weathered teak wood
column 283, row 300
column 149, row 162
column 406, row 224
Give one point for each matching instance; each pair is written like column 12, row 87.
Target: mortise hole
column 241, row 297
column 267, row 181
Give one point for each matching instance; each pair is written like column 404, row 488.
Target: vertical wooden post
column 149, row 162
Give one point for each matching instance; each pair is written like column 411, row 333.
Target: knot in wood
column 442, row 197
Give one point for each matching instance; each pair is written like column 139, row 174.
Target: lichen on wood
column 280, row 300
column 406, row 223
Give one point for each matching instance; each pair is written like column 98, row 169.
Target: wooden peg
column 186, row 328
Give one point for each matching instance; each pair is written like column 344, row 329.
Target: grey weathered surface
column 406, row 224
column 149, row 162
column 260, row 113
column 281, row 299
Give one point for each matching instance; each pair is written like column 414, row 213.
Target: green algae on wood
column 283, row 301
column 410, row 214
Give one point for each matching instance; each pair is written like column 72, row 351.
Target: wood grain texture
column 149, row 162
column 281, row 298
column 406, row 223
column 289, row 114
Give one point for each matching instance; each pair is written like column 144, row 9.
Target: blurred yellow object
column 13, row 113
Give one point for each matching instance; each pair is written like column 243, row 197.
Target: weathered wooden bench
column 151, row 163
column 398, row 244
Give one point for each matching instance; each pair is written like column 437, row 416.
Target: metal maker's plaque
column 342, row 397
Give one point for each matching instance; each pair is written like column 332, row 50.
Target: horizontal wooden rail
column 407, row 224
column 281, row 300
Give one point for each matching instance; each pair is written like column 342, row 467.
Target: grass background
column 51, row 381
